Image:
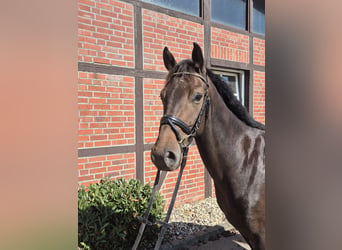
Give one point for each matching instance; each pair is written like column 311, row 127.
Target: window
column 236, row 80
column 259, row 16
column 191, row 7
column 230, row 12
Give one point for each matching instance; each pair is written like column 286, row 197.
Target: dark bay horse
column 231, row 143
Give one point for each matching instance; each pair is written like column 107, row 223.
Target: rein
column 184, row 143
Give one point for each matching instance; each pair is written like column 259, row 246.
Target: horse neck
column 221, row 132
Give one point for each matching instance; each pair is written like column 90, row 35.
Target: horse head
column 184, row 97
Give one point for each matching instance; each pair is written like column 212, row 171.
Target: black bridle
column 173, row 121
column 184, row 143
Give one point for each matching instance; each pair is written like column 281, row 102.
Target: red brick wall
column 105, row 32
column 106, row 110
column 259, row 80
column 230, row 46
column 153, row 108
column 259, row 51
column 92, row 169
column 259, row 96
column 160, row 30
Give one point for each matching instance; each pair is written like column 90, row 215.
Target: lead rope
column 144, row 220
column 165, row 224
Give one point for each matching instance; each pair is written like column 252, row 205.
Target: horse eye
column 197, row 97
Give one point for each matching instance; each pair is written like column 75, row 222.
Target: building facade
column 121, row 73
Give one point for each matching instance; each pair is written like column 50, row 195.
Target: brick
column 101, row 60
column 93, row 165
column 104, row 18
column 85, row 178
column 109, row 13
column 87, row 113
column 84, row 7
column 98, row 170
column 84, row 20
column 84, row 172
column 104, row 6
column 86, row 27
column 83, row 138
column 97, row 100
column 86, row 2
column 102, row 36
column 99, row 176
column 100, row 23
column 97, row 159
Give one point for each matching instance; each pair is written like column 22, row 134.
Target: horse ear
column 197, row 58
column 169, row 60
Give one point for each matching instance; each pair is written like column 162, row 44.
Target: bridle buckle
column 186, row 141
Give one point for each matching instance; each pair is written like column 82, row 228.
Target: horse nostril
column 170, row 158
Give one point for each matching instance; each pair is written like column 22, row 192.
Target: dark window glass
column 191, row 7
column 259, row 16
column 232, row 81
column 230, row 12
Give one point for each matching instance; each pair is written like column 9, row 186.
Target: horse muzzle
column 167, row 159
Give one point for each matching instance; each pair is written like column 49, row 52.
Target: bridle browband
column 173, row 121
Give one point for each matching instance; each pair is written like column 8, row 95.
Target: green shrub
column 107, row 214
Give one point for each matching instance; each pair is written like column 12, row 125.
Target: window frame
column 204, row 15
column 200, row 8
column 252, row 18
column 246, row 17
column 243, row 83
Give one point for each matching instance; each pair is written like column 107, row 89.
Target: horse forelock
column 183, row 66
column 186, row 65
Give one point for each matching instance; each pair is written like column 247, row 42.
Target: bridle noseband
column 173, row 121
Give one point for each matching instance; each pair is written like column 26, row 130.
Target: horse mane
column 232, row 102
